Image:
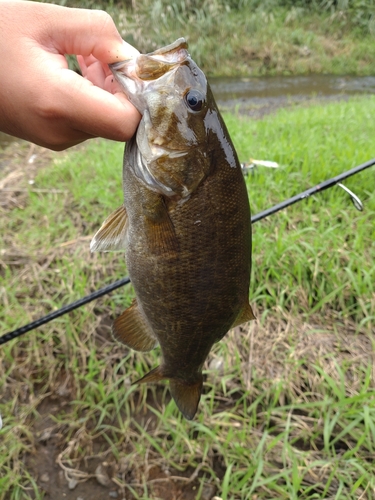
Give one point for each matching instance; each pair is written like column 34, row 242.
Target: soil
column 96, row 478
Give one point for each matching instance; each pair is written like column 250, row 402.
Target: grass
column 305, row 144
column 288, row 408
column 261, row 38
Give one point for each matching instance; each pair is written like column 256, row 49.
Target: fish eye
column 194, row 100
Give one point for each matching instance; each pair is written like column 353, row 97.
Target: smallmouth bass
column 185, row 222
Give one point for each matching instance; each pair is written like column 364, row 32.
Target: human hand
column 44, row 102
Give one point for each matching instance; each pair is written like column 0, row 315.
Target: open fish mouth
column 148, row 67
column 136, row 74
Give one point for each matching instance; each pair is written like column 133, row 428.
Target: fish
column 184, row 224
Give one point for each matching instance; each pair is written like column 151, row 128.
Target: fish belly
column 191, row 296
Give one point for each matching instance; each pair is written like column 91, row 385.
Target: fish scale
column 184, row 225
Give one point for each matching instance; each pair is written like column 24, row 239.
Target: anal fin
column 112, row 234
column 245, row 315
column 151, row 377
column 132, row 329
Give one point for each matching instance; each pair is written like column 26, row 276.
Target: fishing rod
column 317, row 189
column 261, row 215
column 64, row 310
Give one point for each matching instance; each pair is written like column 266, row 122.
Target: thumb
column 85, row 32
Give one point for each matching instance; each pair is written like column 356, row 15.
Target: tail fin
column 185, row 394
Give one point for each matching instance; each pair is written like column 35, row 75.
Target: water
column 279, row 90
column 266, row 93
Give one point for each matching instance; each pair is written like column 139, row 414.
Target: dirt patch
column 99, row 475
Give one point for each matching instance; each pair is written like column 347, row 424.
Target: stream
column 257, row 96
column 260, row 95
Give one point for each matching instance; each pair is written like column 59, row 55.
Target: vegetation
column 288, row 410
column 254, row 37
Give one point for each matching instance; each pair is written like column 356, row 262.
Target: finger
column 95, row 111
column 85, row 32
column 111, row 85
column 98, row 73
column 82, row 64
column 62, row 143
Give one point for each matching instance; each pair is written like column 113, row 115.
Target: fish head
column 173, row 96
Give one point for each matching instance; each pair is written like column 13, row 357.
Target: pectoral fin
column 161, row 235
column 132, row 329
column 112, row 234
column 162, row 238
column 245, row 315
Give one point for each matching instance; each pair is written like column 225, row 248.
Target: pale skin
column 44, row 102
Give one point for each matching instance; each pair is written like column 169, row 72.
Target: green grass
column 333, row 241
column 261, row 38
column 289, row 410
